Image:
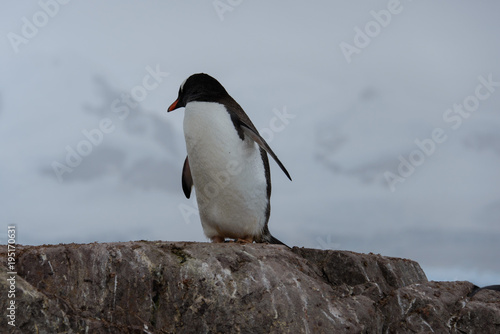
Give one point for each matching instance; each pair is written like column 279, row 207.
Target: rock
column 179, row 287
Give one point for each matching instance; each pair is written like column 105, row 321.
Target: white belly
column 228, row 173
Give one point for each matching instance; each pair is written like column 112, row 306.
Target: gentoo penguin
column 226, row 163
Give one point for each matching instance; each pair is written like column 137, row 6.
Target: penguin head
column 198, row 87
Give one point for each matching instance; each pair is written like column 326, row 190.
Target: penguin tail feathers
column 267, row 237
column 476, row 289
column 273, row 240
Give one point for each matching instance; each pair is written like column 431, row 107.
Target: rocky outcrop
column 179, row 287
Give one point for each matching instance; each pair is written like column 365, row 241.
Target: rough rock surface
column 179, row 287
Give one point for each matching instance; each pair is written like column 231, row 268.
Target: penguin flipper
column 256, row 137
column 187, row 179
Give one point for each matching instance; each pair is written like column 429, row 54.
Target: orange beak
column 173, row 106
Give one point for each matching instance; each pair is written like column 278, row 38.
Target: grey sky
column 354, row 118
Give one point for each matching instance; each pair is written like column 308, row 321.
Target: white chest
column 228, row 173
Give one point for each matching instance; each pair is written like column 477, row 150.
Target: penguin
column 226, row 163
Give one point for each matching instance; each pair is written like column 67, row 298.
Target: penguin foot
column 247, row 240
column 217, row 239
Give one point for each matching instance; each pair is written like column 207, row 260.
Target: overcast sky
column 385, row 113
